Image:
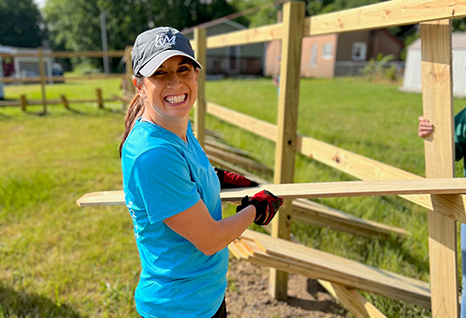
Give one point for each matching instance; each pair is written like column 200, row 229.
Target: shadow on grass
column 16, row 304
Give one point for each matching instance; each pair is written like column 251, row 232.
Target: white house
column 412, row 74
column 24, row 63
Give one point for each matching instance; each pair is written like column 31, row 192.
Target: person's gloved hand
column 266, row 205
column 230, row 180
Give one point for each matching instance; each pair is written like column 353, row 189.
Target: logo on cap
column 164, row 41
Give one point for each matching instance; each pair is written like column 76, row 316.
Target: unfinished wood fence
column 445, row 205
column 43, row 79
column 435, row 19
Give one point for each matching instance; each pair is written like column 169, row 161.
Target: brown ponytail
column 135, row 110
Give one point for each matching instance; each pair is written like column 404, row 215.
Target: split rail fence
column 445, row 205
column 43, row 79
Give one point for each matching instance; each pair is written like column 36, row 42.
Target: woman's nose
column 173, row 81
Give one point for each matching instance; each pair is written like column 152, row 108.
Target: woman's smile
column 176, row 100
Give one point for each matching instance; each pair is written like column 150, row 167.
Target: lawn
column 59, row 260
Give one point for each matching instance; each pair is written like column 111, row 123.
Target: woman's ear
column 140, row 88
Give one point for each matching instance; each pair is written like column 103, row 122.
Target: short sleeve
column 460, row 134
column 164, row 183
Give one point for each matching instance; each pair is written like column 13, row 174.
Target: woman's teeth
column 175, row 99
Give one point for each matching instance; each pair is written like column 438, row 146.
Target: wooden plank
column 200, row 105
column 234, row 250
column 320, row 215
column 312, row 190
column 66, row 54
column 213, row 142
column 437, row 95
column 354, row 188
column 42, row 80
column 234, row 158
column 385, row 14
column 249, row 36
column 285, row 150
column 37, row 79
column 352, row 300
column 342, row 271
column 356, row 165
column 249, row 123
column 102, row 198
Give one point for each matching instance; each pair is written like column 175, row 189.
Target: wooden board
column 320, row 215
column 352, row 300
column 354, row 164
column 437, row 96
column 354, row 188
column 385, row 14
column 332, row 268
column 200, row 105
column 249, row 36
column 314, row 190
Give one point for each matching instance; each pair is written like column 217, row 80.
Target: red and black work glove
column 266, row 205
column 230, row 180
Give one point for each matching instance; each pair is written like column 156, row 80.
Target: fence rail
column 435, row 18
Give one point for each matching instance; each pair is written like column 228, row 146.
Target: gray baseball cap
column 155, row 46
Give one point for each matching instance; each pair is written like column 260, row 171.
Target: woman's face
column 172, row 90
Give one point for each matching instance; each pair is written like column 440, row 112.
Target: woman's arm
column 210, row 236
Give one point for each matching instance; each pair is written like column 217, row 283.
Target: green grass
column 59, row 260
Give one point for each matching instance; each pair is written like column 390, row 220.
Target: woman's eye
column 183, row 69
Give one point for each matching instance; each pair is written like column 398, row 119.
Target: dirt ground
column 248, row 297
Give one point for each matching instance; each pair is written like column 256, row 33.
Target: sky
column 40, row 3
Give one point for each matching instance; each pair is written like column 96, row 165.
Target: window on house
column 359, row 51
column 314, row 55
column 327, row 51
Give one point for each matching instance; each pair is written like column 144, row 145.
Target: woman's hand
column 266, row 204
column 230, row 180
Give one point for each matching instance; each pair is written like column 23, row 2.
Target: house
column 233, row 60
column 23, row 62
column 412, row 74
column 336, row 54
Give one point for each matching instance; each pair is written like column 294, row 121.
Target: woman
column 171, row 190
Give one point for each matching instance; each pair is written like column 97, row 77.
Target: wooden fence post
column 129, row 71
column 64, row 101
column 293, row 28
column 436, row 74
column 42, row 79
column 24, row 102
column 100, row 101
column 200, row 106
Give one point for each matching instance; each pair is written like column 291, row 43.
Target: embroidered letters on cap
column 165, row 41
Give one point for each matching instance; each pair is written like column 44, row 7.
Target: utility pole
column 103, row 29
column 1, row 77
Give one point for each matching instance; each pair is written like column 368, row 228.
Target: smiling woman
column 172, row 192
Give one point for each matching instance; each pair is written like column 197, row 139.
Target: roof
column 16, row 50
column 458, row 41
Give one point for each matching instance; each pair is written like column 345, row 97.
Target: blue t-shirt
column 163, row 176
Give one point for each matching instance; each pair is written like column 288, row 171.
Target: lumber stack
column 287, row 256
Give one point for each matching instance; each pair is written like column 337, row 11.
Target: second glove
column 230, row 180
column 266, row 204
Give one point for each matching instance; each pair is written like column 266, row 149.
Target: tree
column 21, row 24
column 325, row 6
column 75, row 24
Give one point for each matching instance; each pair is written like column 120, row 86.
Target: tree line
column 75, row 25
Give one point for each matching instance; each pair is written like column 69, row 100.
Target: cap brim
column 159, row 59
